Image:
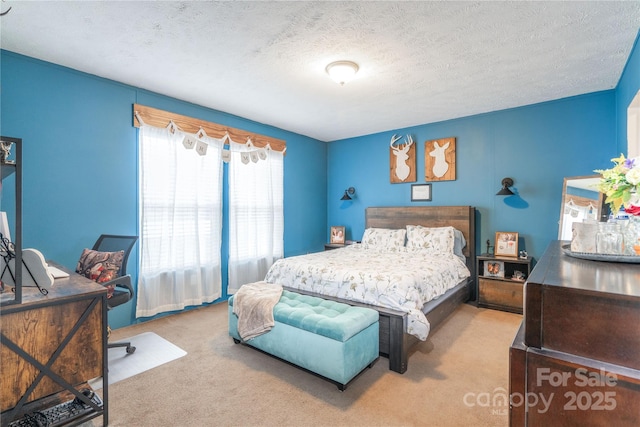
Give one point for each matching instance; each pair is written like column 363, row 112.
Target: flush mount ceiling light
column 342, row 71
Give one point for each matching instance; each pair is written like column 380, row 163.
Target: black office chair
column 123, row 290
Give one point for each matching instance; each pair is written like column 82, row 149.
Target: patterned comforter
column 402, row 280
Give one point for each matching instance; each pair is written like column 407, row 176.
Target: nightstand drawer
column 502, row 293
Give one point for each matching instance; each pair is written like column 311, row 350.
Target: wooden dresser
column 576, row 358
column 51, row 345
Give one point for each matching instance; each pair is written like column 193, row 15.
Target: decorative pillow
column 437, row 240
column 459, row 244
column 100, row 266
column 384, row 239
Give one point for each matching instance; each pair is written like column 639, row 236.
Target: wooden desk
column 51, row 345
column 579, row 344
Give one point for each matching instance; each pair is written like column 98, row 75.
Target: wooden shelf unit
column 13, row 167
column 50, row 346
column 502, row 293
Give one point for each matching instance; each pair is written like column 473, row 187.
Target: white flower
column 633, row 175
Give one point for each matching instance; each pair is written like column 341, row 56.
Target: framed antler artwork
column 402, row 159
column 440, row 160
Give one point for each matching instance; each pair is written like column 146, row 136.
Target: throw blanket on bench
column 253, row 304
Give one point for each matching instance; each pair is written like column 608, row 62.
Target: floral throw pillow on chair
column 100, row 267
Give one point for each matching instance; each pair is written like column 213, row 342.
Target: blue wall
column 80, row 162
column 537, row 146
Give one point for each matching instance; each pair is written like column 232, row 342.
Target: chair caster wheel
column 131, row 349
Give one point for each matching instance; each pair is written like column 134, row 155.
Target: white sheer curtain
column 180, row 222
column 256, row 213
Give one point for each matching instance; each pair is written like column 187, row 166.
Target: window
column 256, row 213
column 180, row 222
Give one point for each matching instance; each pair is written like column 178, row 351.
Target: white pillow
column 384, row 238
column 459, row 243
column 436, row 240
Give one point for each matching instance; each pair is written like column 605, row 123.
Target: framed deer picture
column 402, row 159
column 440, row 160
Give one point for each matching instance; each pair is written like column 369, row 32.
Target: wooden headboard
column 459, row 217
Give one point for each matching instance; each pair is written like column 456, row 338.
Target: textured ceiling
column 420, row 62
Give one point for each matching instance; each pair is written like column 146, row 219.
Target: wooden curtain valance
column 160, row 118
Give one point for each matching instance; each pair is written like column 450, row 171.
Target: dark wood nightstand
column 329, row 246
column 498, row 284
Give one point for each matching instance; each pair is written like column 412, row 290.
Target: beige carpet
column 450, row 379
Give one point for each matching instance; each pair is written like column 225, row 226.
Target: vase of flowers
column 632, row 236
column 621, row 186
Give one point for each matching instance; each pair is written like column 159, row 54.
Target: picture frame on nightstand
column 337, row 235
column 506, row 244
column 494, row 268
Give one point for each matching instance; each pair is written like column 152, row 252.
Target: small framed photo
column 420, row 192
column 494, row 268
column 337, row 234
column 518, row 276
column 506, row 244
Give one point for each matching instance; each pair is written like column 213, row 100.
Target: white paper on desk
column 56, row 272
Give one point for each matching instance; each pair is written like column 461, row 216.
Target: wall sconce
column 342, row 71
column 506, row 183
column 348, row 193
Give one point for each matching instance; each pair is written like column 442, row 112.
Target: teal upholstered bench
column 331, row 339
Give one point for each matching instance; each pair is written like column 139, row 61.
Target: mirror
column 633, row 127
column 580, row 200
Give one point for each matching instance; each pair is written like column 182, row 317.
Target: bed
column 381, row 274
